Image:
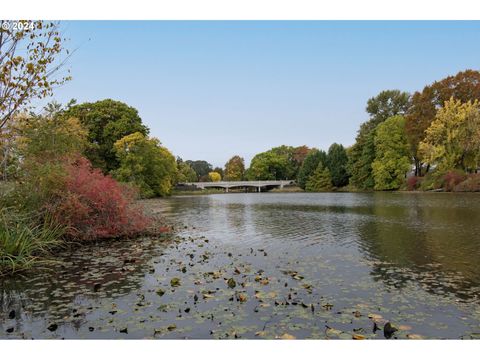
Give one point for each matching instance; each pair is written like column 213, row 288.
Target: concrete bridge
column 259, row 186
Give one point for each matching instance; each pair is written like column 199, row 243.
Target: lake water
column 270, row 265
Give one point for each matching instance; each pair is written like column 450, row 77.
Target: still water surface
column 332, row 265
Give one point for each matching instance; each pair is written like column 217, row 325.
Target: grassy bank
column 197, row 192
column 288, row 189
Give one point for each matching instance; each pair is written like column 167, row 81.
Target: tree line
column 429, row 141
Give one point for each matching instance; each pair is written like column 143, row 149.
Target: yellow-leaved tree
column 214, row 176
column 453, row 139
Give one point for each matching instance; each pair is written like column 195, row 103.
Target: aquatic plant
column 23, row 238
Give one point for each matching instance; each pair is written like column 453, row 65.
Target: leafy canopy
column 235, row 169
column 453, row 139
column 201, row 167
column 146, row 164
column 464, row 86
column 386, row 104
column 185, row 173
column 107, row 121
column 214, row 176
column 279, row 163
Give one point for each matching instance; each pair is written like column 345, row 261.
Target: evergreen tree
column 337, row 160
column 313, row 158
column 320, row 180
column 392, row 159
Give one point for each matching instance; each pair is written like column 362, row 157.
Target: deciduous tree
column 453, row 139
column 107, row 121
column 386, row 104
column 185, row 173
column 44, row 144
column 235, row 168
column 214, row 176
column 275, row 164
column 30, row 56
column 464, row 86
column 201, row 167
column 146, row 164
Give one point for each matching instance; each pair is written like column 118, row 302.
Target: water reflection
column 303, row 261
column 431, row 239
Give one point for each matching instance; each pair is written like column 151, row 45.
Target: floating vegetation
column 201, row 283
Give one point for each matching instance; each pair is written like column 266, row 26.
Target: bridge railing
column 258, row 184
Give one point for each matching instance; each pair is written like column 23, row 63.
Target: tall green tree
column 184, row 172
column 279, row 163
column 107, row 121
column 146, row 164
column 392, row 155
column 337, row 161
column 235, row 169
column 361, row 156
column 201, row 167
column 386, row 104
column 310, row 164
column 464, row 86
column 320, row 180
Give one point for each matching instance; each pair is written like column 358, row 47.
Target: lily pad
column 231, row 283
column 175, row 282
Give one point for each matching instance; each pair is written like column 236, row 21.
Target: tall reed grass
column 23, row 238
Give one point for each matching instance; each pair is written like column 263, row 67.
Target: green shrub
column 431, row 181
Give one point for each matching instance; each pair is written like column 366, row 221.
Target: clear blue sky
column 210, row 90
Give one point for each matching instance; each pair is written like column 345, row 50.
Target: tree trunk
column 418, row 167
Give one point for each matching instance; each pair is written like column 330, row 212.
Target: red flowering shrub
column 452, row 179
column 95, row 206
column 413, row 182
column 472, row 183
